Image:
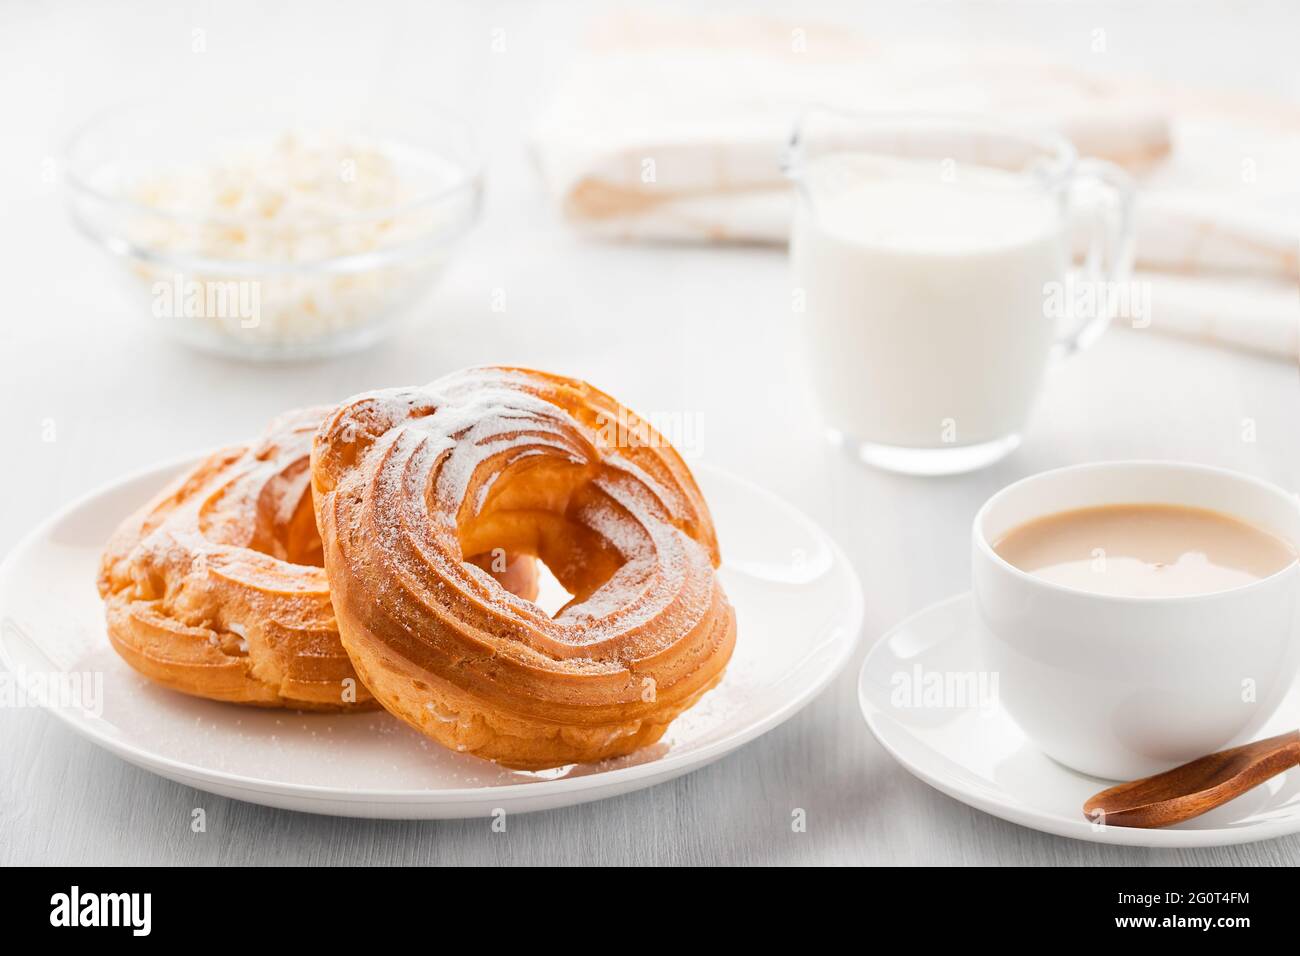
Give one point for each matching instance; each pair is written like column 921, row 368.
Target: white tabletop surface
column 695, row 331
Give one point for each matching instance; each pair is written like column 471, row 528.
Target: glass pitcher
column 939, row 263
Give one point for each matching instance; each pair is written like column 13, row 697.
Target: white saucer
column 973, row 751
column 798, row 607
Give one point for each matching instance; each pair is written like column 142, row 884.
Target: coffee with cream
column 1145, row 550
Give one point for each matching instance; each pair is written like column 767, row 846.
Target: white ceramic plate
column 969, row 747
column 798, row 607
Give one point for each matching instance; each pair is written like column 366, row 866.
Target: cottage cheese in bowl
column 275, row 244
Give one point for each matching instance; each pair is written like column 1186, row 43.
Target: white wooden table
column 698, row 332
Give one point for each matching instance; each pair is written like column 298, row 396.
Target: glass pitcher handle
column 1108, row 260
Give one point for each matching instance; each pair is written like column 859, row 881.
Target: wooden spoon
column 1194, row 788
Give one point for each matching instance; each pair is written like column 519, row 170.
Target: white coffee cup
column 1124, row 687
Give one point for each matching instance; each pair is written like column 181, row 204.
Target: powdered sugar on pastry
column 409, row 481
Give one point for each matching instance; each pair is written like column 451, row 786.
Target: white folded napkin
column 674, row 128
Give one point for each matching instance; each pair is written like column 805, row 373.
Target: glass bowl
column 275, row 230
